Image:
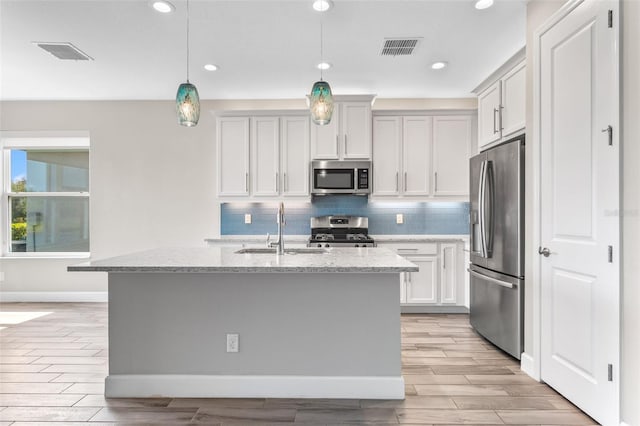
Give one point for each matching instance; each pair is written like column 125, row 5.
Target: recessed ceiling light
column 322, row 5
column 484, row 4
column 438, row 65
column 324, row 65
column 163, row 6
column 210, row 67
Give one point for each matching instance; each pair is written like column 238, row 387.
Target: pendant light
column 187, row 99
column 321, row 99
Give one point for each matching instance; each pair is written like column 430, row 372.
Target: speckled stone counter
column 308, row 325
column 226, row 259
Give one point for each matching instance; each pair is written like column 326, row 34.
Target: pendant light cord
column 321, row 52
column 187, row 41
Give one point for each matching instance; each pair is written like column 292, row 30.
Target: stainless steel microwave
column 340, row 177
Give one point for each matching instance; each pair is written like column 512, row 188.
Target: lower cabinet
column 440, row 284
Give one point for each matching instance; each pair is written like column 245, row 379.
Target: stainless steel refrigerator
column 497, row 245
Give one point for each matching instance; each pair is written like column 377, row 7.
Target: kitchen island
column 309, row 325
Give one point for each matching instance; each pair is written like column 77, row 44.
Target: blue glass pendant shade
column 188, row 104
column 321, row 103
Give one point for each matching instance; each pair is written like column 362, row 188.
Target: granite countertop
column 300, row 239
column 225, row 259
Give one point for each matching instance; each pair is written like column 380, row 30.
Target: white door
column 488, row 115
column 421, row 286
column 355, row 118
column 265, row 156
column 579, row 205
column 513, row 115
column 387, row 139
column 232, row 134
column 451, row 145
column 294, row 168
column 417, row 133
column 325, row 139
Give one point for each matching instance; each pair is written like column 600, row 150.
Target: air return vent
column 399, row 46
column 65, row 51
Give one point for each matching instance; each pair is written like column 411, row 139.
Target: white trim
column 527, row 365
column 209, row 386
column 53, row 296
column 624, row 424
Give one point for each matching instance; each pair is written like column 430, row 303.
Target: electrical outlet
column 399, row 218
column 247, row 218
column 233, row 342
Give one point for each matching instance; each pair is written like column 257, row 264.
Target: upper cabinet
column 421, row 155
column 263, row 156
column 502, row 102
column 452, row 138
column 348, row 135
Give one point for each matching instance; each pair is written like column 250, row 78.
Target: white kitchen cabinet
column 422, row 286
column 265, row 161
column 262, row 156
column 387, row 151
column 449, row 273
column 402, row 155
column 452, row 136
column 501, row 107
column 233, row 156
column 440, row 285
column 348, row 134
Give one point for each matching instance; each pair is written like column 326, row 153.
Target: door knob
column 544, row 251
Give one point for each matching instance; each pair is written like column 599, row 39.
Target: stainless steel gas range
column 340, row 231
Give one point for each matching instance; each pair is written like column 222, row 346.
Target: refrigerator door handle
column 491, row 280
column 489, row 195
column 481, row 196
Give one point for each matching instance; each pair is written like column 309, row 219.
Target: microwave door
column 334, row 179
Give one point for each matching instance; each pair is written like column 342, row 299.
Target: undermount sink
column 264, row 250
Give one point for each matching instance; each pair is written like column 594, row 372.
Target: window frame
column 29, row 141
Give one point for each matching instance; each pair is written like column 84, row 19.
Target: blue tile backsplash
column 432, row 217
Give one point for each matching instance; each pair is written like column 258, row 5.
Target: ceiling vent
column 65, row 51
column 399, row 46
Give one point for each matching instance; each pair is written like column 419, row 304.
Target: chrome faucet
column 281, row 223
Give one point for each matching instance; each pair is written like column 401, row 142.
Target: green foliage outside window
column 19, row 211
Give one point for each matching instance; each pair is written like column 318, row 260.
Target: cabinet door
column 449, row 273
column 387, row 138
column 265, row 156
column 403, row 288
column 232, row 134
column 295, row 156
column 488, row 115
column 355, row 119
column 513, row 100
column 325, row 139
column 416, row 156
column 451, row 142
column 422, row 285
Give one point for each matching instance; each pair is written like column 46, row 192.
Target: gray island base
column 309, row 325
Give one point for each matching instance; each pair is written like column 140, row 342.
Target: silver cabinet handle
column 500, row 117
column 286, row 184
column 337, row 145
column 277, row 185
column 491, row 280
column 495, row 130
column 405, row 181
column 408, row 249
column 246, row 181
column 397, row 184
column 436, row 182
column 345, row 145
column 444, row 260
column 544, row 251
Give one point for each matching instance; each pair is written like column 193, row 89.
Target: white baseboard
column 527, row 364
column 53, row 296
column 205, row 386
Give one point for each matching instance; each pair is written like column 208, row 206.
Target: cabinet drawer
column 408, row 249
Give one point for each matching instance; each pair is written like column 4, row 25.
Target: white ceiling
column 265, row 49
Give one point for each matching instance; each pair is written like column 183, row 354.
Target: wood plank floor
column 52, row 370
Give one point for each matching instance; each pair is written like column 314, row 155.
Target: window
column 46, row 201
